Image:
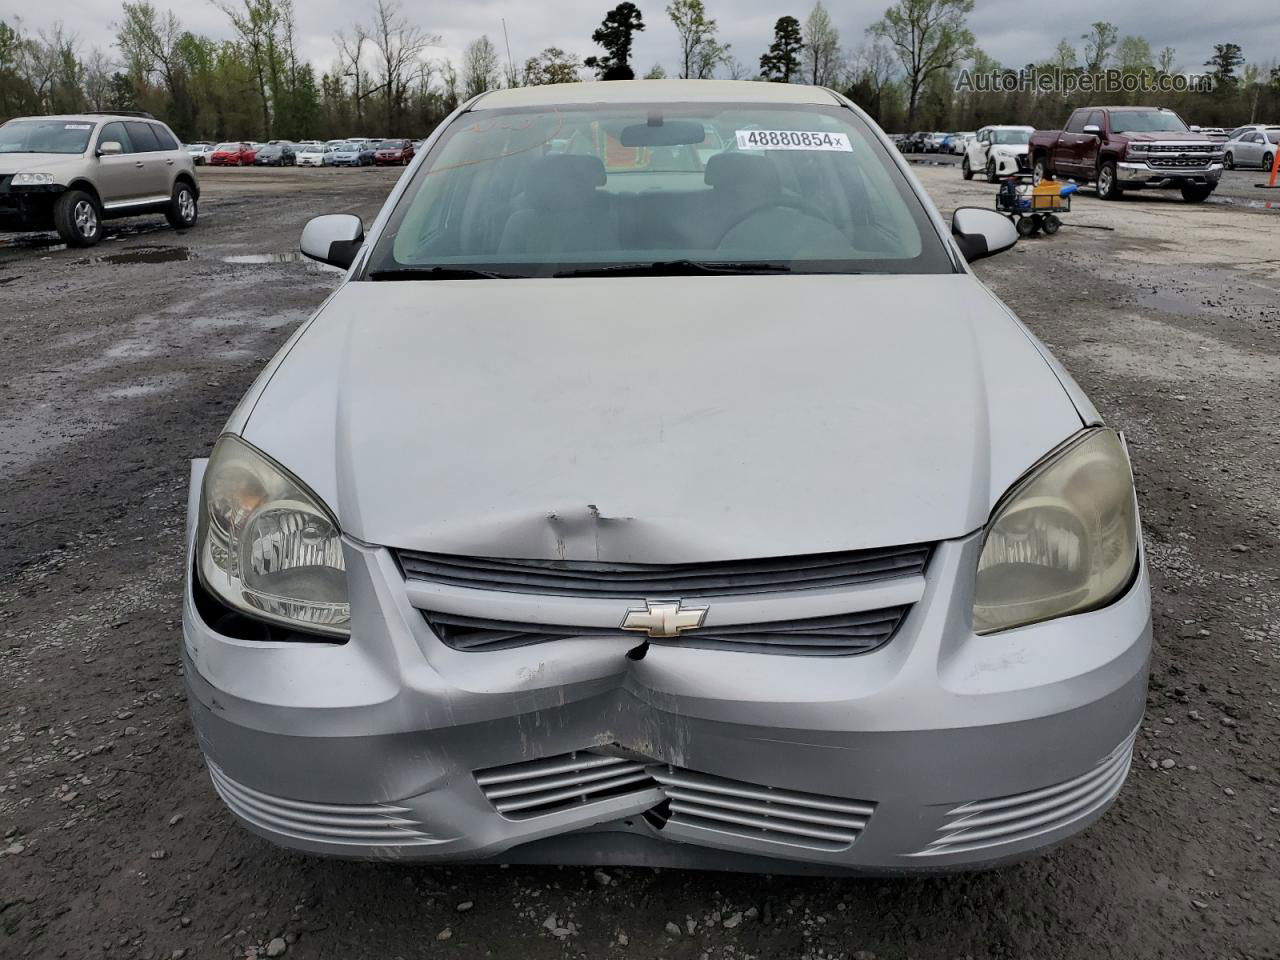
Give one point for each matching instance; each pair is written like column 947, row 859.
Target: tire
column 1229, row 161
column 183, row 210
column 1025, row 226
column 1108, row 181
column 1051, row 225
column 965, row 170
column 1268, row 160
column 991, row 171
column 1040, row 172
column 1196, row 193
column 78, row 219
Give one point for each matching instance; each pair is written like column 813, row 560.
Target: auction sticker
column 793, row 140
column 77, row 126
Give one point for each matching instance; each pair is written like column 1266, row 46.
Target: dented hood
column 661, row 419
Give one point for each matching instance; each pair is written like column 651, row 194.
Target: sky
column 1014, row 32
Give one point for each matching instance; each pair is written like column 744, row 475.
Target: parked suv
column 1129, row 148
column 72, row 172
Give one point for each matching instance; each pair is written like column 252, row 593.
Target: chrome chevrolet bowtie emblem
column 664, row 619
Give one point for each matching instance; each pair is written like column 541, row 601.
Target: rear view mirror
column 334, row 239
column 662, row 134
column 982, row 233
column 108, row 147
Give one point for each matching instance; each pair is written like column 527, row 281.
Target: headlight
column 267, row 546
column 1137, row 148
column 1063, row 540
column 32, row 179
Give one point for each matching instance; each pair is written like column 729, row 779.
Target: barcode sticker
column 793, row 140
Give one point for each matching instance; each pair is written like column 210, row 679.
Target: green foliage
column 700, row 51
column 782, row 62
column 615, row 35
column 552, row 65
column 930, row 38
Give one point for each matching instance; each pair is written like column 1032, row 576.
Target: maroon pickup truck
column 1128, row 148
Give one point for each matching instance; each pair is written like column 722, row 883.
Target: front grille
column 1202, row 148
column 4, row 181
column 686, row 799
column 1022, row 816
column 373, row 824
column 1178, row 162
column 583, row 578
column 535, row 788
column 841, row 635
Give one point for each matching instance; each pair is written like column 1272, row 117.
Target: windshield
column 45, row 136
column 350, row 147
column 1146, row 121
column 1011, row 137
column 228, row 147
column 540, row 192
column 391, row 145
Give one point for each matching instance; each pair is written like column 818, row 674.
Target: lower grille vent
column 763, row 813
column 537, row 787
column 685, row 799
column 373, row 824
column 842, row 635
column 990, row 823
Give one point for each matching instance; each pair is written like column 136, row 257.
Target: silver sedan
column 1253, row 148
column 625, row 507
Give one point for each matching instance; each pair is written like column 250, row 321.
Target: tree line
column 384, row 79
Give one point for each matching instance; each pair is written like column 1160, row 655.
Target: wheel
column 991, row 171
column 1040, row 172
column 1229, row 161
column 1196, row 193
column 1051, row 224
column 1025, row 226
column 1108, row 182
column 182, row 211
column 77, row 219
column 965, row 170
column 1268, row 161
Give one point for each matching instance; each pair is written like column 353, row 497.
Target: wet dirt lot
column 121, row 363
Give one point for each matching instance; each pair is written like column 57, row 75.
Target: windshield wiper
column 675, row 268
column 437, row 273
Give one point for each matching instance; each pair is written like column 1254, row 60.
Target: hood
column 1173, row 137
column 1010, row 148
column 38, row 162
column 661, row 419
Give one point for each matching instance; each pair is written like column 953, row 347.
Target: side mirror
column 334, row 239
column 109, row 147
column 980, row 232
column 1093, row 128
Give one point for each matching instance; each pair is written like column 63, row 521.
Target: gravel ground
column 120, row 364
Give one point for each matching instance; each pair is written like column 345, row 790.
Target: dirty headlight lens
column 32, row 179
column 267, row 546
column 1064, row 539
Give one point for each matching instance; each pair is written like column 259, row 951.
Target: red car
column 232, row 155
column 393, row 153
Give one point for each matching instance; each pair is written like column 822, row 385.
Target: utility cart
column 1034, row 207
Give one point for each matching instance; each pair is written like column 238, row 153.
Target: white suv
column 72, row 172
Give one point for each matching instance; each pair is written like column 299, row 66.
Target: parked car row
column 353, row 152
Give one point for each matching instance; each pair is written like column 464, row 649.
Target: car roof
column 1010, row 126
column 88, row 117
column 654, row 91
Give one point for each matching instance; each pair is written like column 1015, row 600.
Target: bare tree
column 350, row 56
column 479, row 67
column 97, row 79
column 821, row 54
column 400, row 47
column 449, row 81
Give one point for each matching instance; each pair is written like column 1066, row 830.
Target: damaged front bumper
column 939, row 750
